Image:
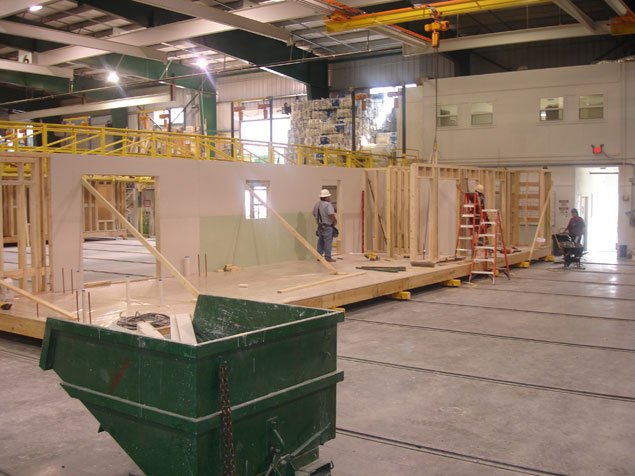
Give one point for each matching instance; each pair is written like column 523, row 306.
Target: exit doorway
column 597, row 202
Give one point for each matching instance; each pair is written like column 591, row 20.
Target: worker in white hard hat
column 324, row 214
column 478, row 198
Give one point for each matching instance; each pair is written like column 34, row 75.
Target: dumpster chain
column 229, row 461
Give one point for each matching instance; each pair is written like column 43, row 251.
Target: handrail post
column 153, row 144
column 45, row 137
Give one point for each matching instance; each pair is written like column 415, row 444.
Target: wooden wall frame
column 396, row 224
column 26, row 211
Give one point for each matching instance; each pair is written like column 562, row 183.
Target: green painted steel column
column 207, row 103
column 119, row 117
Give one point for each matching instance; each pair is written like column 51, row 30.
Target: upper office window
column 551, row 109
column 482, row 114
column 254, row 208
column 591, row 106
column 447, row 116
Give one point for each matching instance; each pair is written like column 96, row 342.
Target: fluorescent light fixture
column 35, row 8
column 112, row 77
column 201, row 62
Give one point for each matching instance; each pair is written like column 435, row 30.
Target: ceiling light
column 201, row 62
column 112, row 77
column 35, row 8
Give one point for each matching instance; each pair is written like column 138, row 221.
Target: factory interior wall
column 199, row 203
column 626, row 208
column 517, row 136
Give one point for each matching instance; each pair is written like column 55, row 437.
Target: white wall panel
column 190, row 190
column 517, row 136
column 256, row 86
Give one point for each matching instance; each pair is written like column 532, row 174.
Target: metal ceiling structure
column 68, row 47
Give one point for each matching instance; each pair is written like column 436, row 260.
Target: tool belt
column 322, row 226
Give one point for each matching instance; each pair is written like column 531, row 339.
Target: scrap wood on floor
column 433, row 263
column 388, row 269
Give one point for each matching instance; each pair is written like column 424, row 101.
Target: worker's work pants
column 325, row 241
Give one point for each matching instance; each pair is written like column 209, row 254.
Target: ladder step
column 468, row 205
column 482, row 272
column 486, row 234
column 467, row 226
column 483, row 260
column 469, row 238
column 467, row 215
column 463, row 249
column 483, row 247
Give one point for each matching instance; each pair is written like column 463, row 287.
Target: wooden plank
column 186, row 329
column 398, row 210
column 322, row 281
column 133, row 231
column 149, row 330
column 432, row 245
column 388, row 211
column 49, row 222
column 2, row 188
column 21, row 222
column 374, row 209
column 24, row 326
column 39, row 301
column 413, row 225
column 545, row 207
column 292, row 230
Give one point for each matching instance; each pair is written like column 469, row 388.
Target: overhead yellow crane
column 339, row 21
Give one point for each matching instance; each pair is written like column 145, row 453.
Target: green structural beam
column 261, row 51
column 153, row 70
column 208, row 113
column 256, row 49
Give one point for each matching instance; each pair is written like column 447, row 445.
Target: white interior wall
column 563, row 197
column 517, row 136
column 189, row 190
column 447, row 217
column 626, row 225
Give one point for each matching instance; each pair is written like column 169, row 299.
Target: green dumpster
column 257, row 393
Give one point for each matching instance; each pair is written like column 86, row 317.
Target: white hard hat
column 479, row 188
column 325, row 193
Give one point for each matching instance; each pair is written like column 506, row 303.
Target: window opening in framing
column 254, row 209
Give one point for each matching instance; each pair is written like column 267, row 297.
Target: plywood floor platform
column 261, row 283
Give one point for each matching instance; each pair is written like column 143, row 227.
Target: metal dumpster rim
column 191, row 351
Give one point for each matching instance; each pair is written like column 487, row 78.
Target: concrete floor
column 535, row 375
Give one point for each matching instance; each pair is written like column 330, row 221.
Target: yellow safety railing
column 109, row 141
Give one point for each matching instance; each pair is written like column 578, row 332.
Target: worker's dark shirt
column 576, row 226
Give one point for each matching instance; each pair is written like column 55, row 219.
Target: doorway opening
column 597, row 203
column 109, row 251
